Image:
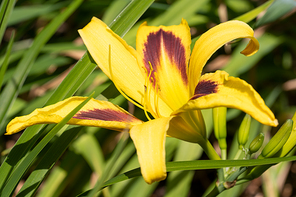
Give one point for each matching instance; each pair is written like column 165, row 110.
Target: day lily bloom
column 159, row 78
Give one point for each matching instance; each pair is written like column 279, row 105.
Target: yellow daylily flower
column 158, row 78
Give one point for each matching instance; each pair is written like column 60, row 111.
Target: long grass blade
column 27, row 161
column 201, row 165
column 6, row 59
column 11, row 89
column 28, row 136
column 5, row 12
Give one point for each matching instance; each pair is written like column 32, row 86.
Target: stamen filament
column 147, row 92
column 145, row 102
column 121, row 92
column 156, row 96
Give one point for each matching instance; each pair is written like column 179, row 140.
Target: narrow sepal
column 94, row 113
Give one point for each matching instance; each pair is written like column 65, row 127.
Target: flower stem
column 209, row 150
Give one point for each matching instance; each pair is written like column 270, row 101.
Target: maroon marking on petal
column 104, row 114
column 173, row 47
column 204, row 88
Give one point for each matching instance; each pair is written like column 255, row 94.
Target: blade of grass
column 5, row 12
column 267, row 43
column 49, row 158
column 278, row 9
column 64, row 175
column 113, row 10
column 179, row 10
column 119, row 148
column 24, row 13
column 19, row 172
column 87, row 145
column 201, row 165
column 28, row 137
column 247, row 17
column 178, row 182
column 129, row 16
column 6, row 59
column 11, row 89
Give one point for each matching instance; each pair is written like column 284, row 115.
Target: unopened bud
column 256, row 143
column 244, row 130
column 219, row 117
column 291, row 142
column 278, row 140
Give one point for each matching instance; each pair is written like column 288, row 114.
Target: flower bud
column 244, row 130
column 219, row 117
column 291, row 142
column 278, row 140
column 256, row 143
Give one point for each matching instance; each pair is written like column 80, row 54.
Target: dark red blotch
column 104, row 114
column 173, row 47
column 204, row 88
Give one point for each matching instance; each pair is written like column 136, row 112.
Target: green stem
column 238, row 154
column 224, row 154
column 216, row 190
column 209, row 150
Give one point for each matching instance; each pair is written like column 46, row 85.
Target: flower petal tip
column 275, row 123
column 251, row 48
column 157, row 178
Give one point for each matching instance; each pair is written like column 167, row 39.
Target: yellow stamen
column 156, row 96
column 145, row 102
column 121, row 92
column 147, row 91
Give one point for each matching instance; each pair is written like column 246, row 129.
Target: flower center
column 151, row 93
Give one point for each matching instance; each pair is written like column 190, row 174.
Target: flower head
column 165, row 81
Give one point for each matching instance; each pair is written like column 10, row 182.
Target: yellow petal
column 165, row 53
column 149, row 140
column 212, row 40
column 218, row 90
column 126, row 73
column 94, row 113
column 188, row 126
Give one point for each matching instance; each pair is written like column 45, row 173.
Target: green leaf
column 24, row 13
column 178, row 182
column 119, row 148
column 239, row 63
column 247, row 17
column 27, row 161
column 49, row 158
column 28, row 137
column 129, row 16
column 11, row 89
column 278, row 9
column 6, row 59
column 113, row 10
column 179, row 10
column 5, row 12
column 172, row 16
column 202, row 165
